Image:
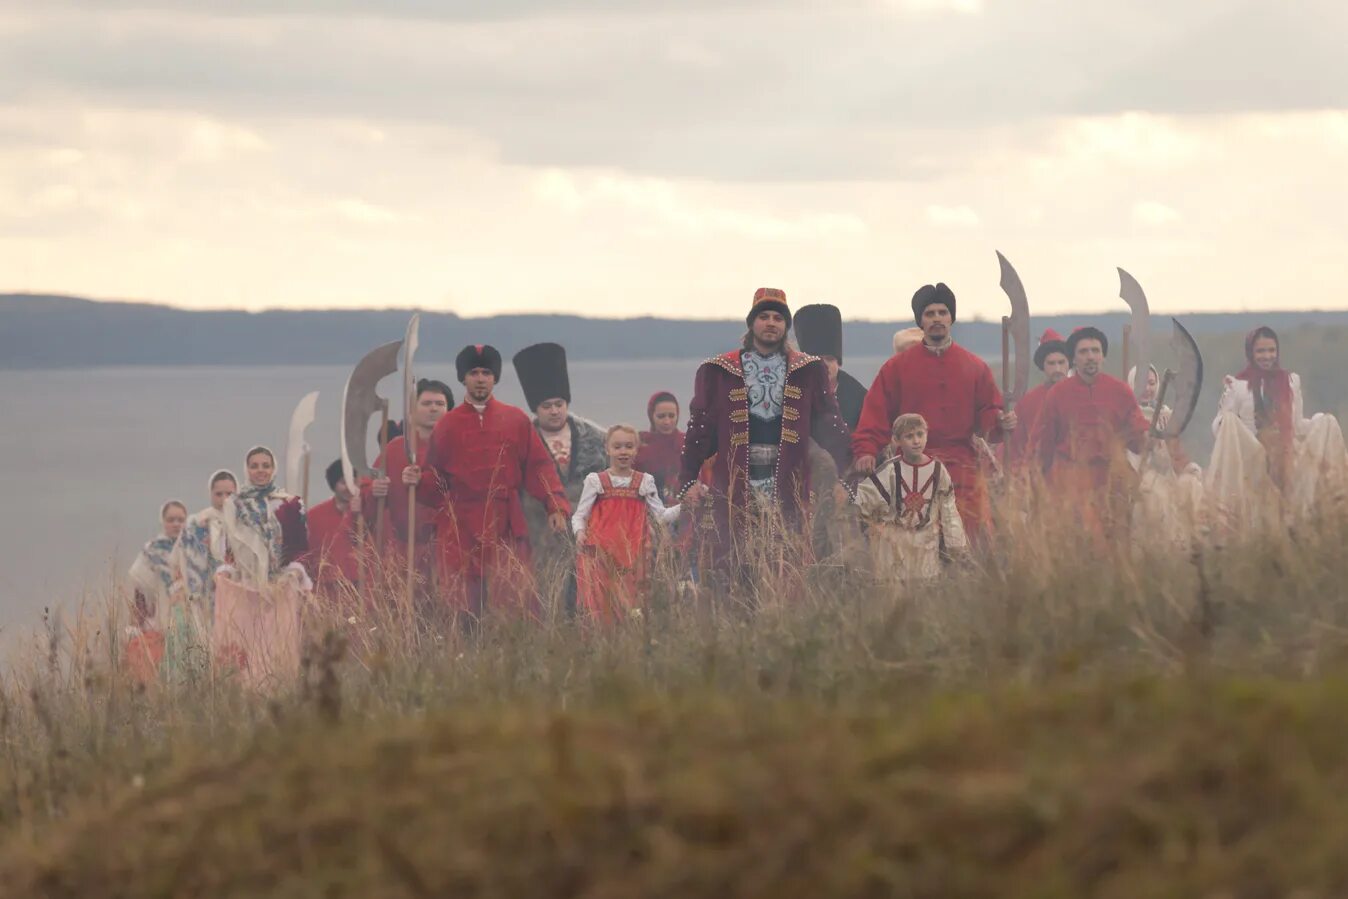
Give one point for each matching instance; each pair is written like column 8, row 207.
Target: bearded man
column 754, row 409
column 481, row 456
column 1087, row 424
column 953, row 390
column 577, row 449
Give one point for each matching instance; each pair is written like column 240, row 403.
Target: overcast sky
column 627, row 157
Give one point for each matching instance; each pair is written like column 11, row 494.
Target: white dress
column 1238, row 480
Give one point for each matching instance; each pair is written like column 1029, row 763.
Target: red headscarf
column 1272, row 390
column 661, row 455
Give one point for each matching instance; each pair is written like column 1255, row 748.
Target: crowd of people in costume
column 505, row 507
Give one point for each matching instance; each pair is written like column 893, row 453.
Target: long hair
column 747, row 342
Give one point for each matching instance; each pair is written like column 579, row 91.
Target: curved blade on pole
column 410, row 387
column 1187, row 382
column 1139, row 350
column 359, row 402
column 1018, row 324
column 296, row 446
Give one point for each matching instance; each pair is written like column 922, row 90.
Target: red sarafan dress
column 611, row 567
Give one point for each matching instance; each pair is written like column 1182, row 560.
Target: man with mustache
column 1082, row 432
column 953, row 390
column 754, row 410
column 482, row 454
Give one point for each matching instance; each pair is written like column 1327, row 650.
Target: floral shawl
column 152, row 572
column 254, row 534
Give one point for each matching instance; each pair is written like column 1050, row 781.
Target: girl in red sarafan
column 612, row 525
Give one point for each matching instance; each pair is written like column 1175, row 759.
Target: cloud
column 1150, row 212
column 953, row 216
column 664, row 205
column 749, row 91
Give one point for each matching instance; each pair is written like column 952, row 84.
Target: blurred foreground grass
column 1050, row 723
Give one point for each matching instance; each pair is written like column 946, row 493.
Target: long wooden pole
column 1006, row 360
column 410, row 439
column 304, row 488
column 1127, row 346
column 379, row 503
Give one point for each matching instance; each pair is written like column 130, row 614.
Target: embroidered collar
column 733, row 361
column 939, row 349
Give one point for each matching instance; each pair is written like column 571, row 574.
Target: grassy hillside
column 1054, row 722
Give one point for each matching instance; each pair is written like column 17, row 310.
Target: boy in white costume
column 909, row 507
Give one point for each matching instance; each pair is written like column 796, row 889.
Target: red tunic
column 395, row 512
column 661, row 455
column 1019, row 452
column 611, row 569
column 1082, row 432
column 475, row 468
column 332, row 545
column 955, row 392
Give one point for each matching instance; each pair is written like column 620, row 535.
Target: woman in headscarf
column 661, row 450
column 154, row 581
column 1168, row 510
column 259, row 595
column 199, row 552
column 201, row 546
column 1263, row 435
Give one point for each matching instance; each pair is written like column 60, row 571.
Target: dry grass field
column 1051, row 721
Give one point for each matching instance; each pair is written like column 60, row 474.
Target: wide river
column 88, row 456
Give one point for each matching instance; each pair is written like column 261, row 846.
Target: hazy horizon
column 898, row 313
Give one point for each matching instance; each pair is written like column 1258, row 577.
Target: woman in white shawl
column 260, row 593
column 1265, row 444
column 1169, row 506
column 154, row 581
column 200, row 550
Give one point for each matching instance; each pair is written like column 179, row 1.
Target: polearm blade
column 297, row 447
column 1018, row 326
column 360, row 401
column 410, row 387
column 1140, row 333
column 1187, row 382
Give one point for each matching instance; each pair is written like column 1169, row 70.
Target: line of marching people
column 515, row 513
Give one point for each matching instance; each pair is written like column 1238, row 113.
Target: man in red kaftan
column 1050, row 358
column 333, row 558
column 481, row 455
column 953, row 390
column 1082, row 432
column 434, row 399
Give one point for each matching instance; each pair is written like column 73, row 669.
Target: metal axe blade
column 1187, row 382
column 1018, row 325
column 359, row 401
column 296, row 445
column 1140, row 335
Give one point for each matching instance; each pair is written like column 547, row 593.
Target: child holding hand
column 612, row 525
column 909, row 503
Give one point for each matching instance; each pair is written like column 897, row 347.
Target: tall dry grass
column 1046, row 606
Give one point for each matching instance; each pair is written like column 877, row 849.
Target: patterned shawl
column 201, row 550
column 253, row 532
column 152, row 572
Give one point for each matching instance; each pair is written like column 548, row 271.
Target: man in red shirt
column 1081, row 434
column 1051, row 359
column 953, row 390
column 333, row 558
column 481, row 456
column 434, row 399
